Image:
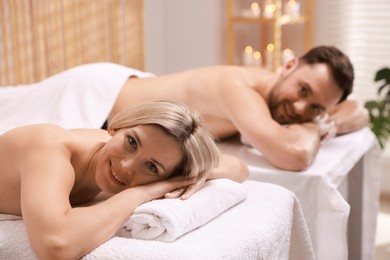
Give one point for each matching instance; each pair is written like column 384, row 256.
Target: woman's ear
column 290, row 66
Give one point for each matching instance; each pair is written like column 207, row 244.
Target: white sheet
column 321, row 191
column 81, row 97
column 269, row 224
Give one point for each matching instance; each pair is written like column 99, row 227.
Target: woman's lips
column 115, row 175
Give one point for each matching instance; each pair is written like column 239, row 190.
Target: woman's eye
column 152, row 167
column 132, row 142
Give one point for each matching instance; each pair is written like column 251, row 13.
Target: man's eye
column 152, row 167
column 132, row 142
column 304, row 92
column 316, row 110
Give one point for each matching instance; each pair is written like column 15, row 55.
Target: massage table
column 268, row 224
column 339, row 192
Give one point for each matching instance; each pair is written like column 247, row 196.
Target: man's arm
column 349, row 116
column 289, row 148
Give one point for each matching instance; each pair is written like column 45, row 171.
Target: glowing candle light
column 257, row 58
column 292, row 8
column 269, row 55
column 252, row 12
column 287, row 55
column 255, row 9
column 247, row 57
column 269, row 9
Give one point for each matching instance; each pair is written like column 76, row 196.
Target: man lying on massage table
column 254, row 102
column 152, row 150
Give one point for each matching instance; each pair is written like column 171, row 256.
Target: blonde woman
column 151, row 150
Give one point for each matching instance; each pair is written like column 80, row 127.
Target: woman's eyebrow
column 136, row 136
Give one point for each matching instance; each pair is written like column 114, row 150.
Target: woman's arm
column 55, row 229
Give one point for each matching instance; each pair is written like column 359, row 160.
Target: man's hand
column 327, row 127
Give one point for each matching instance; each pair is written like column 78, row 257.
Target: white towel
column 167, row 219
column 80, row 97
column 269, row 224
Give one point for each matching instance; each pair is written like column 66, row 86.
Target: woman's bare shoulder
column 39, row 133
column 48, row 135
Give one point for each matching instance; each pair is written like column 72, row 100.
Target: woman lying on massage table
column 150, row 151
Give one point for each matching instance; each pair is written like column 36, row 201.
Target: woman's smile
column 114, row 175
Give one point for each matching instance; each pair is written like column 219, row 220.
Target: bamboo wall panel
column 39, row 38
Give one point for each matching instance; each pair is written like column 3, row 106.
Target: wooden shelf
column 267, row 30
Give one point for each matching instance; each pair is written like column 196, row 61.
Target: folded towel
column 167, row 219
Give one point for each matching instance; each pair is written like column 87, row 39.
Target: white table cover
column 344, row 178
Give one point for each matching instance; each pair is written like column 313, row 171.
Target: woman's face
column 136, row 156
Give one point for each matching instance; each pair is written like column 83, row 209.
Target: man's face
column 303, row 92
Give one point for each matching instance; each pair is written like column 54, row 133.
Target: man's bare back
column 200, row 89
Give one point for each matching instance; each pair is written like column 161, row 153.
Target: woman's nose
column 128, row 165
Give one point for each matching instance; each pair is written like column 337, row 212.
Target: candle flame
column 248, row 49
column 287, row 51
column 291, row 2
column 254, row 6
column 270, row 8
column 270, row 47
column 257, row 55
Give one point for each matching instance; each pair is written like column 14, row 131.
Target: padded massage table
column 339, row 192
column 269, row 224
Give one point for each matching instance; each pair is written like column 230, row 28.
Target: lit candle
column 292, row 8
column 252, row 12
column 269, row 56
column 257, row 59
column 247, row 58
column 269, row 9
column 287, row 55
column 255, row 9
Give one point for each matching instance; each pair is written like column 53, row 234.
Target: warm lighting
column 270, row 47
column 292, row 8
column 247, row 58
column 248, row 49
column 288, row 55
column 269, row 10
column 254, row 6
column 253, row 12
column 269, row 56
column 257, row 58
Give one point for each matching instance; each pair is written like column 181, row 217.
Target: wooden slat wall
column 39, row 38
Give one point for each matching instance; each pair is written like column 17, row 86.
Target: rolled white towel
column 167, row 219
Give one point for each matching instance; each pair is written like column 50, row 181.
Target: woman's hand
column 229, row 167
column 186, row 192
column 160, row 189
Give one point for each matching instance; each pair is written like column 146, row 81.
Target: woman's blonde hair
column 200, row 152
